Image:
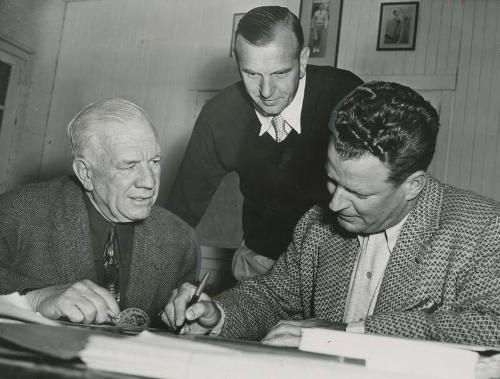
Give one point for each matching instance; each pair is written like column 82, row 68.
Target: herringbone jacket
column 45, row 241
column 442, row 281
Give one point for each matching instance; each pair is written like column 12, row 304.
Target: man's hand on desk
column 289, row 332
column 83, row 302
column 199, row 318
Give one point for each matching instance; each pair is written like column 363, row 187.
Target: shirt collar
column 391, row 234
column 291, row 113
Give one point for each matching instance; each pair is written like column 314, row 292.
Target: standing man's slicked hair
column 259, row 25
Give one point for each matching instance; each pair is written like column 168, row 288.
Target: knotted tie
column 278, row 123
column 111, row 271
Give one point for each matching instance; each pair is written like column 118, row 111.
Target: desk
column 18, row 368
column 239, row 359
column 250, row 360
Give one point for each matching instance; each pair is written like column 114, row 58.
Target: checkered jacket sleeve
column 442, row 281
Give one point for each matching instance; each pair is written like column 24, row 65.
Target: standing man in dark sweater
column 272, row 129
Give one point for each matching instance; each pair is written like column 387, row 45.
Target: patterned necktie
column 111, row 271
column 278, row 123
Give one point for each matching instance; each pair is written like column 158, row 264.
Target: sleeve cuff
column 218, row 328
column 356, row 327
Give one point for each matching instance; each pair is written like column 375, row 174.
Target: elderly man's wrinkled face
column 126, row 173
column 362, row 198
column 271, row 72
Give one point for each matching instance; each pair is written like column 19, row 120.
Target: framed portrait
column 397, row 27
column 320, row 20
column 236, row 20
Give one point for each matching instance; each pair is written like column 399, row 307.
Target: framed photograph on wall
column 236, row 20
column 397, row 27
column 320, row 20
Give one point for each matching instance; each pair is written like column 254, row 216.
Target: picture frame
column 320, row 20
column 236, row 19
column 397, row 27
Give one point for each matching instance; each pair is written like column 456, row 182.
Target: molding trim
column 423, row 82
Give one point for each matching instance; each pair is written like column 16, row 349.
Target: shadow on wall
column 219, row 73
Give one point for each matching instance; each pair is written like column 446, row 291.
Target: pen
column 195, row 298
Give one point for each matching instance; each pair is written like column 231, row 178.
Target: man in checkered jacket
column 395, row 252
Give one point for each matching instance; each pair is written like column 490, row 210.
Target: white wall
column 161, row 54
column 456, row 65
column 171, row 55
column 35, row 27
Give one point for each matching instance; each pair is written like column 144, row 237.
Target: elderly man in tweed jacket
column 397, row 253
column 53, row 235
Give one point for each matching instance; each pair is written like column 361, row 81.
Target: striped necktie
column 278, row 123
column 111, row 270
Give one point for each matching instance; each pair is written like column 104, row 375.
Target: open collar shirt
column 374, row 253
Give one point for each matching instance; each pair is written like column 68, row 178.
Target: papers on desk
column 170, row 356
column 397, row 355
column 15, row 308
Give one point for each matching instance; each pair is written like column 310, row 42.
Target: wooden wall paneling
column 443, row 141
column 372, row 60
column 399, row 62
column 457, row 133
column 349, row 28
column 424, row 22
column 487, row 37
column 17, row 59
column 436, row 9
column 378, row 62
column 435, row 98
column 35, row 26
column 389, row 58
column 410, row 61
column 455, row 36
column 483, row 163
column 442, row 145
column 494, row 117
column 444, row 37
column 363, row 44
column 471, row 128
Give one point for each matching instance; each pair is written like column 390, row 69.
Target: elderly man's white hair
column 83, row 127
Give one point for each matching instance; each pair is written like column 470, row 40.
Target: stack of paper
column 397, row 355
column 164, row 356
column 15, row 308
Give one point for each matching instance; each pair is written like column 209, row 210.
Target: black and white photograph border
column 397, row 29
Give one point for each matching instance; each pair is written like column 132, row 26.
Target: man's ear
column 83, row 171
column 414, row 184
column 304, row 57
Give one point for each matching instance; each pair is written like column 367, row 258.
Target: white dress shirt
column 366, row 279
column 291, row 114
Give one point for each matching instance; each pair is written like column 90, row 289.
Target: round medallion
column 133, row 318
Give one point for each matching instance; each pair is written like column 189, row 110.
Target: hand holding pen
column 190, row 311
column 194, row 299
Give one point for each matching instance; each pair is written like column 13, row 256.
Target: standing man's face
column 126, row 178
column 271, row 72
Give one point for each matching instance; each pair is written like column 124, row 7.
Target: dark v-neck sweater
column 279, row 181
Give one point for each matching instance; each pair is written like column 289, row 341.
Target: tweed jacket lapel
column 335, row 266
column 70, row 240
column 411, row 278
column 145, row 267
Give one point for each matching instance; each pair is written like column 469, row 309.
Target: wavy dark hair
column 390, row 121
column 258, row 26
